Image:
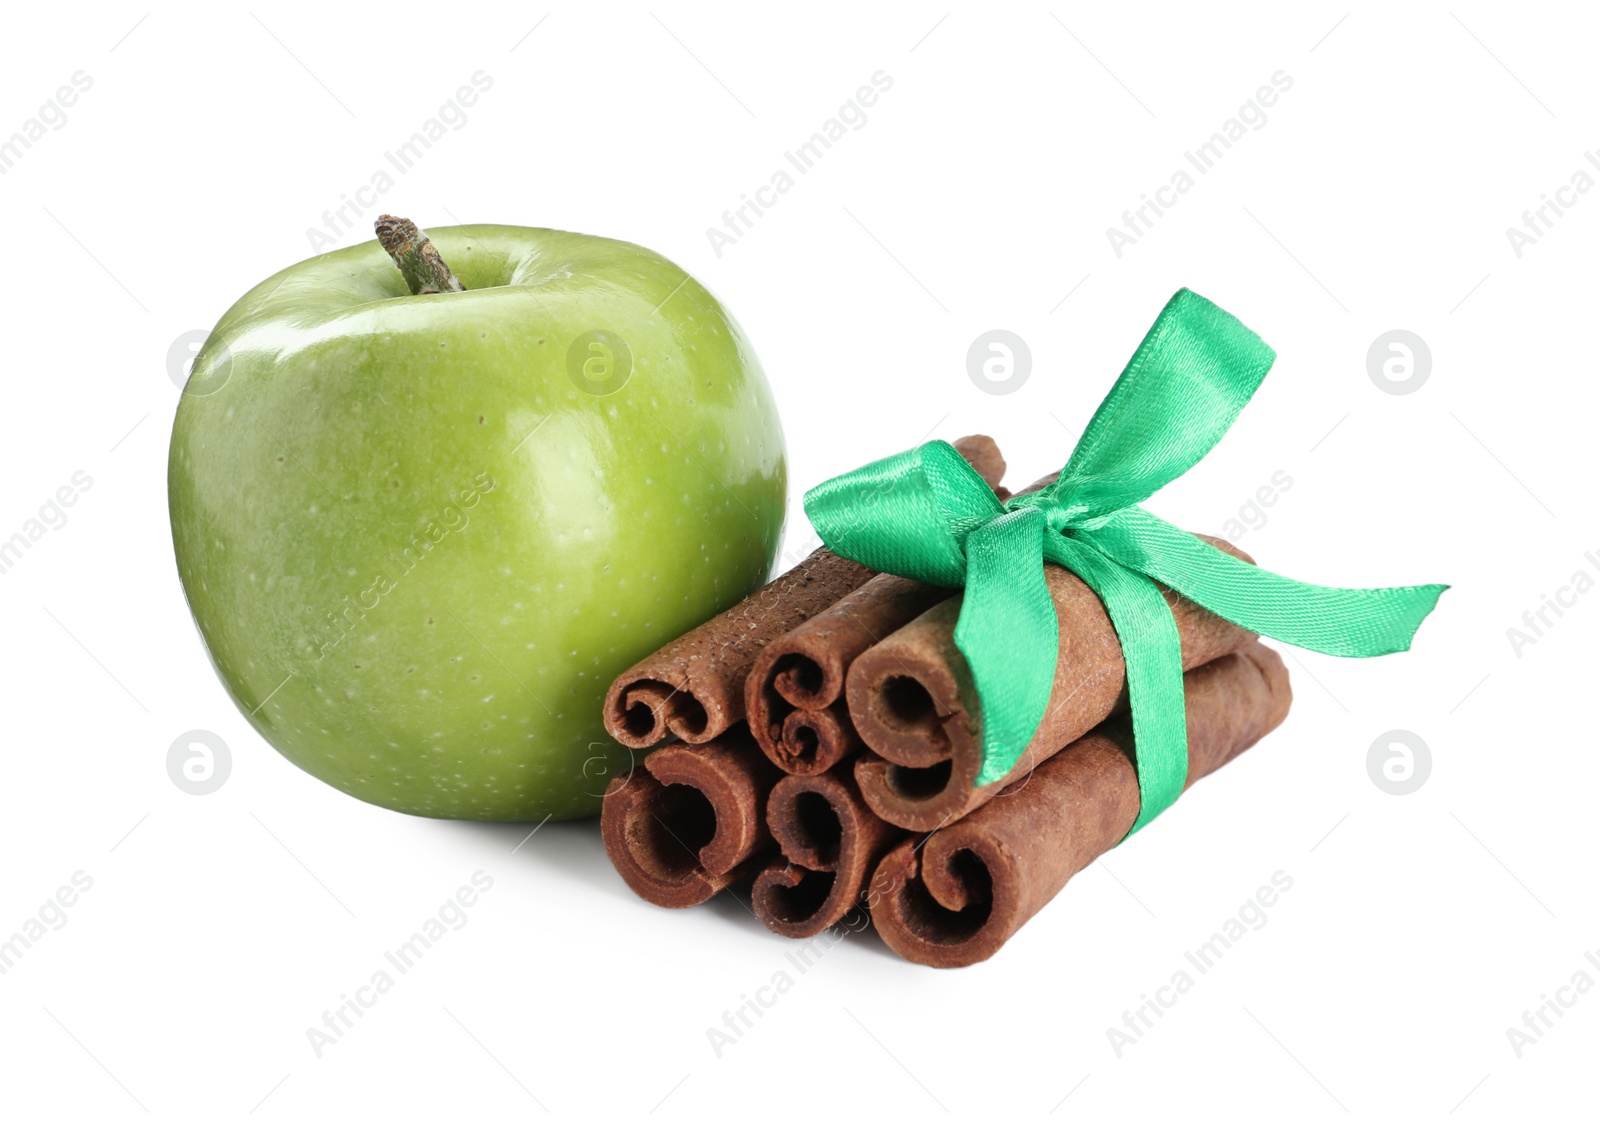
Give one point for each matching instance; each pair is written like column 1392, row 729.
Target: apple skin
column 418, row 541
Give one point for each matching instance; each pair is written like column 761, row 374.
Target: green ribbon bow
column 926, row 514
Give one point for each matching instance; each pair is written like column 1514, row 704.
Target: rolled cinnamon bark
column 690, row 820
column 831, row 843
column 693, row 688
column 959, row 896
column 908, row 697
column 794, row 696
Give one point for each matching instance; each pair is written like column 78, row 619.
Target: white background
column 977, row 196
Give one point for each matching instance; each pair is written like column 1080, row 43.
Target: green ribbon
column 926, row 514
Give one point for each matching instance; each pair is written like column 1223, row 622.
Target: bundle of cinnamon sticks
column 826, row 745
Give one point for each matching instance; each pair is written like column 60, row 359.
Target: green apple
column 421, row 532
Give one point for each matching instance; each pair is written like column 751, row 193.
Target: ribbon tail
column 1007, row 632
column 1153, row 656
column 1340, row 621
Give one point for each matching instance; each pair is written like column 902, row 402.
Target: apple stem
column 417, row 258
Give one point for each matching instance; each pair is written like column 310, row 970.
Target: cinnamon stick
column 959, row 896
column 794, row 697
column 689, row 820
column 693, row 688
column 831, row 843
column 909, row 699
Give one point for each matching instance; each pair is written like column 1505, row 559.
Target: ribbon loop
column 908, row 514
column 1188, row 380
column 926, row 514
